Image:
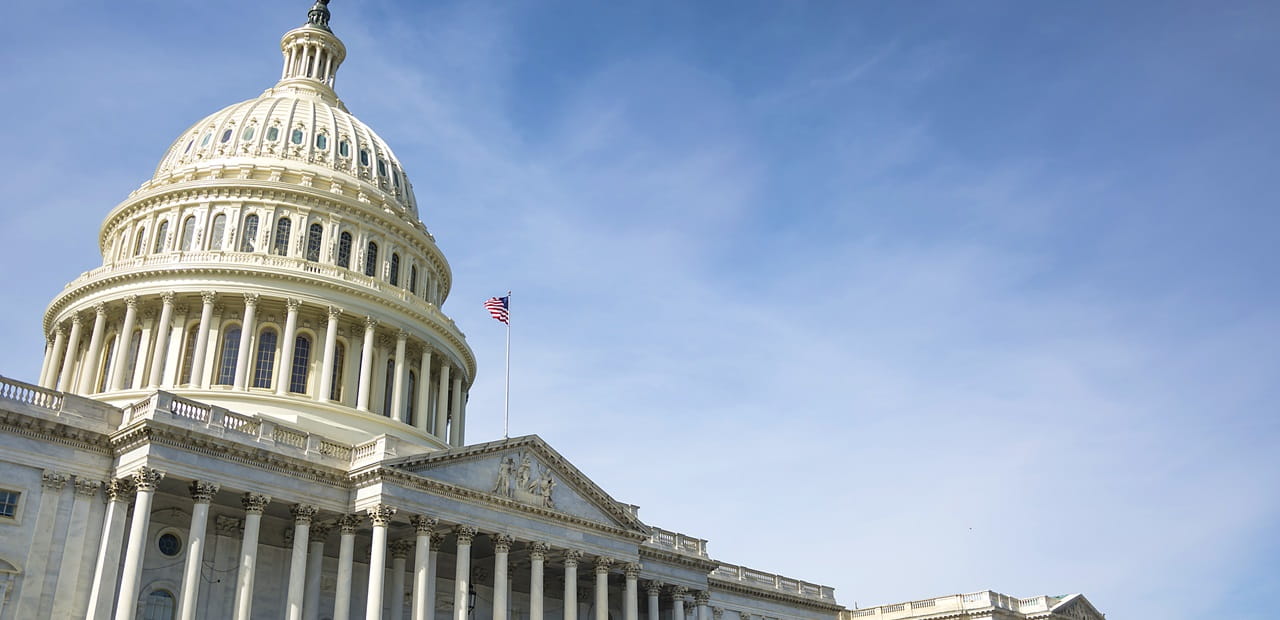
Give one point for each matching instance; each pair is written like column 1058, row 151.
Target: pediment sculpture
column 516, row 480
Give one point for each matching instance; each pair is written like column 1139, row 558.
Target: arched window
column 159, row 606
column 413, row 279
column 283, row 228
column 135, row 344
column 335, row 381
column 265, row 361
column 344, row 250
column 140, row 242
column 227, row 359
column 315, row 235
column 371, row 260
column 248, row 238
column 189, row 354
column 109, row 354
column 218, row 231
column 412, row 390
column 389, row 389
column 301, row 362
column 162, row 231
column 188, row 233
column 395, row 269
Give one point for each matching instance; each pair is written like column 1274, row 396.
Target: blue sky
column 907, row 299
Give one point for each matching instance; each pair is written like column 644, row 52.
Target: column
column 630, row 601
column 69, row 357
column 89, row 370
column 28, row 604
column 55, row 360
column 73, row 549
column 118, row 370
column 119, row 492
column 399, row 553
column 455, row 431
column 347, row 525
column 315, row 567
column 284, row 376
column 501, row 550
column 442, row 403
column 424, row 569
column 254, row 505
column 702, row 598
column 380, row 515
column 602, row 587
column 677, row 602
column 201, row 495
column 202, row 338
column 424, row 392
column 537, row 556
column 161, row 350
column 247, row 329
column 652, row 589
column 330, row 350
column 366, row 365
column 462, row 572
column 145, row 481
column 302, row 515
column 44, row 365
column 395, row 408
column 571, row 558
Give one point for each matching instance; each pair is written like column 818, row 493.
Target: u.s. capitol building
column 256, row 408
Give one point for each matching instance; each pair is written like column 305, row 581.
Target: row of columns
column 63, row 347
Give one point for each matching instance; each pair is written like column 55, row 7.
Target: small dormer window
column 188, row 149
column 205, row 140
column 344, row 148
column 382, row 167
column 364, row 157
column 226, row 135
column 273, row 134
column 322, row 141
column 247, row 134
column 296, row 136
column 395, row 178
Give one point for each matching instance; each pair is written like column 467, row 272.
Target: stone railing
column 973, row 601
column 770, row 581
column 676, row 541
column 28, row 394
column 46, row 402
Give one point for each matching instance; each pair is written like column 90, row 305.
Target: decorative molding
column 538, row 550
column 87, row 487
column 54, row 480
column 203, row 492
column 602, row 564
column 147, row 478
column 319, row 531
column 401, row 548
column 255, row 503
column 631, row 570
column 380, row 514
column 423, row 525
column 349, row 523
column 437, row 541
column 571, row 557
column 501, row 543
column 303, row 513
column 466, row 534
column 653, row 588
column 225, row 525
column 208, row 297
column 119, row 489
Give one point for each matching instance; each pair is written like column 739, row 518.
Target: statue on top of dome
column 319, row 14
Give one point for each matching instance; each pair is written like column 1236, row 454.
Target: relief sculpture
column 524, row 487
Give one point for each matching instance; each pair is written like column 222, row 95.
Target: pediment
column 1077, row 607
column 524, row 471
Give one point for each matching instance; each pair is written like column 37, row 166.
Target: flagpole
column 506, row 393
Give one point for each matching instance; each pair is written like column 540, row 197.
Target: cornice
column 793, row 599
column 55, row 432
column 681, row 559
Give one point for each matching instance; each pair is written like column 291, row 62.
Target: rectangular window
column 9, row 503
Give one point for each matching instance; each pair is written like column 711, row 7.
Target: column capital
column 147, row 478
column 203, row 492
column 255, row 503
column 100, row 308
column 402, row 335
column 678, row 593
column 423, row 524
column 501, row 542
column 303, row 513
column 437, row 541
column 348, row 524
column 538, row 550
column 400, row 549
column 54, row 480
column 59, row 330
column 571, row 557
column 292, row 304
column 631, row 570
column 119, row 489
column 370, row 323
column 334, row 313
column 319, row 531
column 381, row 514
column 208, row 297
column 466, row 534
column 131, row 301
column 76, row 319
column 228, row 526
column 653, row 587
column 250, row 299
column 717, row 612
column 87, row 487
column 701, row 597
column 602, row 564
column 167, row 298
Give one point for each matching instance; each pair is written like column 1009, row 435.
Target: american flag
column 497, row 307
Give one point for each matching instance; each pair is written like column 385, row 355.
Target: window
column 335, row 381
column 296, row 136
column 283, row 228
column 218, row 232
column 315, row 235
column 301, row 361
column 159, row 606
column 135, row 343
column 395, row 269
column 413, row 279
column 140, row 242
column 322, row 141
column 273, row 134
column 169, row 544
column 226, row 136
column 188, row 233
column 344, row 250
column 395, row 178
column 188, row 149
column 413, row 389
column 371, row 259
column 364, row 157
column 205, row 140
column 9, row 503
column 230, row 351
column 248, row 237
column 161, row 232
column 107, row 357
column 389, row 389
column 382, row 167
column 247, row 134
column 189, row 354
column 344, row 148
column 265, row 360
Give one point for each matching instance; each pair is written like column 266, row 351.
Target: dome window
column 218, row 232
column 364, row 157
column 247, row 134
column 265, row 360
column 205, row 140
column 283, row 228
column 344, row 148
column 296, row 136
column 344, row 250
column 315, row 236
column 190, row 143
column 371, row 259
column 395, row 178
column 273, row 134
column 382, row 167
column 395, row 269
column 250, row 233
column 322, row 141
column 226, row 136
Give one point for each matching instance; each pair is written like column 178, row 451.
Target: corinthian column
column 102, row 593
column 286, row 354
column 330, row 350
column 399, row 554
column 161, row 349
column 315, row 564
column 442, row 403
column 702, row 598
column 424, row 570
column 455, row 431
column 677, row 602
column 630, row 603
column 602, row 587
column 50, row 375
column 571, row 558
column 501, row 549
column 73, row 549
column 366, row 365
column 244, row 350
column 424, row 392
column 69, row 358
column 89, row 372
column 537, row 556
column 380, row 515
column 395, row 408
column 302, row 515
column 201, row 494
column 145, row 481
column 118, row 370
column 462, row 572
column 652, row 589
column 347, row 525
column 202, row 338
column 254, row 505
